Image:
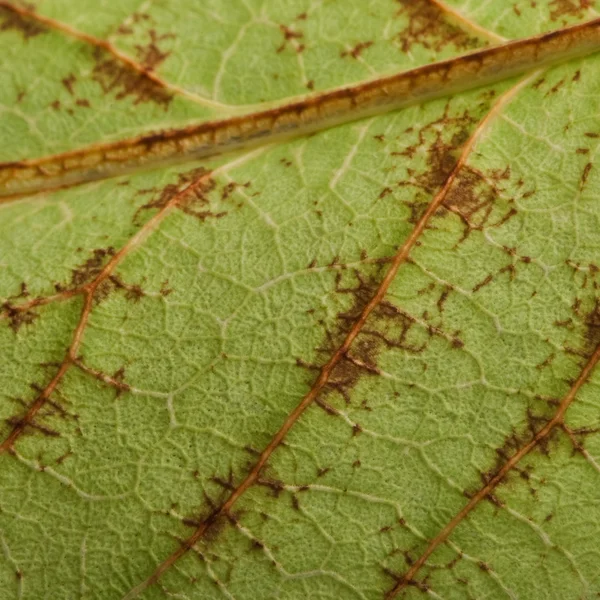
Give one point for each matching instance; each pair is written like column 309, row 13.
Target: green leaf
column 319, row 362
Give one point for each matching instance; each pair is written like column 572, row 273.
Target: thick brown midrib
column 301, row 117
column 484, row 492
column 398, row 259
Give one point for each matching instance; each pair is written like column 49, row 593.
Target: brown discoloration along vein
column 154, row 86
column 457, row 18
column 487, row 490
column 339, row 354
column 88, row 292
column 311, row 114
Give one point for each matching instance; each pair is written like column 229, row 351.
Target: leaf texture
column 355, row 364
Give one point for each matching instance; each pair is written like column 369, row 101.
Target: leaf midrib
column 297, row 118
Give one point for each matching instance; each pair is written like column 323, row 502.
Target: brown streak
column 484, row 492
column 87, row 291
column 399, row 258
column 86, row 38
column 300, row 117
column 43, row 300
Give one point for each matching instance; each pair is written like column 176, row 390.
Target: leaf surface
column 355, row 364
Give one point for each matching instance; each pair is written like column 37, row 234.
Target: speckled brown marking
column 10, row 20
column 302, row 117
column 357, row 50
column 539, row 440
column 339, row 355
column 86, row 281
column 569, row 8
column 429, row 27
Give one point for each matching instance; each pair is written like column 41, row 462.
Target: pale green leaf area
column 158, row 329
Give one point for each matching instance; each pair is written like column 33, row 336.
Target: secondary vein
column 398, row 260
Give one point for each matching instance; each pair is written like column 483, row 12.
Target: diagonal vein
column 111, row 49
column 484, row 492
column 300, row 117
column 399, row 258
column 453, row 15
column 88, row 292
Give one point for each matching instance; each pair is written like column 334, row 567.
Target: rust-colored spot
column 585, row 174
column 14, row 21
column 427, row 26
column 357, row 50
column 473, row 197
column 569, row 8
column 92, row 267
column 68, row 82
column 151, row 56
column 291, row 37
column 117, row 77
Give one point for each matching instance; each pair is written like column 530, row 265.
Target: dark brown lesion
column 13, row 21
column 473, row 197
column 388, row 327
column 291, row 37
column 428, row 27
column 162, row 197
column 118, row 78
column 356, row 50
column 559, row 9
column 17, row 315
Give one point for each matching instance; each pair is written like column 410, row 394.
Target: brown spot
column 592, row 328
column 275, row 485
column 428, row 27
column 387, row 327
column 160, row 198
column 116, row 77
column 91, row 268
column 27, row 27
column 310, row 85
column 68, row 83
column 569, row 8
column 133, row 292
column 164, row 289
column 473, row 197
column 556, row 87
column 82, row 102
column 483, row 283
column 356, row 51
column 290, row 37
column 585, row 174
column 150, row 55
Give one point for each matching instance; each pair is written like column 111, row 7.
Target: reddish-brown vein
column 453, row 15
column 300, row 117
column 88, row 291
column 104, row 45
column 41, row 301
column 325, row 372
column 484, row 492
